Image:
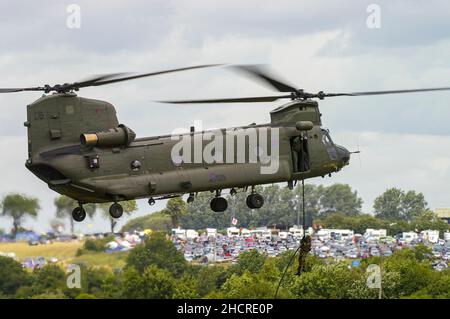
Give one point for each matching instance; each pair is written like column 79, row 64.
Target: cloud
column 315, row 45
column 406, row 161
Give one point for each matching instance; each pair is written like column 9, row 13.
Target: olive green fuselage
column 110, row 173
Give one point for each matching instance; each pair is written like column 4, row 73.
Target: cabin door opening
column 300, row 154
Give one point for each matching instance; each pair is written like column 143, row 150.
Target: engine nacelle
column 119, row 136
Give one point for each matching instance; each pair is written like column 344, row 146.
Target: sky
column 334, row 46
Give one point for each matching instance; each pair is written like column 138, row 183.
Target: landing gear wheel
column 254, row 201
column 219, row 204
column 78, row 214
column 116, row 210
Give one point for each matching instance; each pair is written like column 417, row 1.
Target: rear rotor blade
column 258, row 72
column 12, row 90
column 138, row 76
column 98, row 80
column 232, row 100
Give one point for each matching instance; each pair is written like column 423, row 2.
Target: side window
column 325, row 139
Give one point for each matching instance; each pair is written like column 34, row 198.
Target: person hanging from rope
column 305, row 248
column 305, row 242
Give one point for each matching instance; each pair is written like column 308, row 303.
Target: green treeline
column 157, row 270
column 335, row 206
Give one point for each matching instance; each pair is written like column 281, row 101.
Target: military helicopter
column 77, row 146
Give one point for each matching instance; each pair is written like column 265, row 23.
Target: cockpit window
column 326, row 139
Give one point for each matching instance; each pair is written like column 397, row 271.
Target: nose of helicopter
column 344, row 155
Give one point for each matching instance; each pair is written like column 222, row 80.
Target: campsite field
column 60, row 250
column 65, row 252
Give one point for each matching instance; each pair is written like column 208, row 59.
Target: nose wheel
column 116, row 210
column 79, row 214
column 218, row 204
column 255, row 201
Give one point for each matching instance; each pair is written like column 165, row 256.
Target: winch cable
column 305, row 243
column 301, row 245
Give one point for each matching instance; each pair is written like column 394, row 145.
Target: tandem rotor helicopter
column 78, row 147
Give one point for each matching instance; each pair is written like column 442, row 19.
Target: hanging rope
column 304, row 247
column 305, row 242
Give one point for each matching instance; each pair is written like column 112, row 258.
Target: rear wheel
column 255, row 201
column 116, row 210
column 219, row 204
column 78, row 214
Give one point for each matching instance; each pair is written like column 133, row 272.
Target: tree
column 259, row 285
column 395, row 204
column 437, row 287
column 12, row 276
column 128, row 208
column 414, row 274
column 153, row 283
column 358, row 224
column 324, row 281
column 175, row 208
column 186, row 288
column 159, row 251
column 64, row 207
column 93, row 281
column 251, row 261
column 388, row 205
column 156, row 221
column 359, row 290
column 340, row 198
column 200, row 216
column 429, row 220
column 50, row 279
column 413, row 205
column 313, row 195
column 278, row 208
column 18, row 207
column 210, row 278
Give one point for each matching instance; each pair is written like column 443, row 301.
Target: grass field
column 62, row 251
column 66, row 253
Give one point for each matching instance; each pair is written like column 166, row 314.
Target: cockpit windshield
column 326, row 139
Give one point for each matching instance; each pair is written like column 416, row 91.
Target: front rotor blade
column 138, row 76
column 96, row 78
column 264, row 75
column 233, row 100
column 386, row 92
